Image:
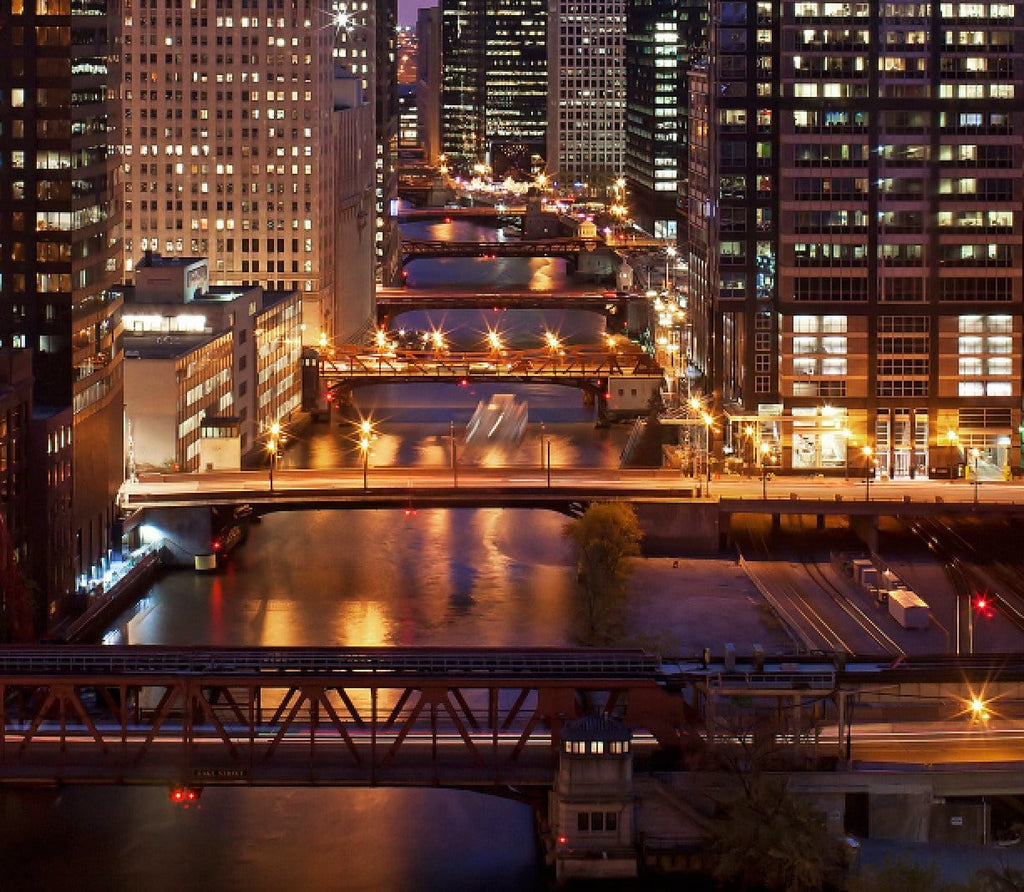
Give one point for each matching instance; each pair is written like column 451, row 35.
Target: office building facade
column 494, row 84
column 856, row 230
column 60, row 248
column 586, row 93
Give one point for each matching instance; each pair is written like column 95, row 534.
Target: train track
column 1000, row 584
column 805, row 624
column 849, row 607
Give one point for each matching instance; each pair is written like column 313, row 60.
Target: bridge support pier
column 866, row 528
column 776, row 522
column 187, row 532
column 821, row 521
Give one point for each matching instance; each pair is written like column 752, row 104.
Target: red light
column 562, row 840
column 447, row 219
column 607, row 395
column 215, row 544
column 463, row 382
column 981, row 603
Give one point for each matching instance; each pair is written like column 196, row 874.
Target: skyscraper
column 586, row 91
column 494, row 83
column 229, row 145
column 856, row 231
column 60, row 248
column 661, row 38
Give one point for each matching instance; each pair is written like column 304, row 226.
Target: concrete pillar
column 821, row 521
column 866, row 528
column 776, row 523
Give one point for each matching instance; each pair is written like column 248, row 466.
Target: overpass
column 676, row 513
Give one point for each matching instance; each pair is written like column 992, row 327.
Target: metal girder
column 308, row 729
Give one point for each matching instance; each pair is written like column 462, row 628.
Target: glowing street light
column 708, row 421
column 272, row 444
column 670, row 255
column 494, row 341
column 976, row 455
column 365, row 439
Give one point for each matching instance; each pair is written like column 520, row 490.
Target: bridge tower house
column 591, row 807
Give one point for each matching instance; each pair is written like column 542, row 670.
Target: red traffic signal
column 983, row 606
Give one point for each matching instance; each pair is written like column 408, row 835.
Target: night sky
column 407, row 10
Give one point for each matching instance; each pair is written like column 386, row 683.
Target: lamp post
column 765, row 449
column 670, row 254
column 868, row 470
column 707, row 449
column 976, row 455
column 275, row 433
column 365, row 438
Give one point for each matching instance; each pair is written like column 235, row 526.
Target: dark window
column 583, row 821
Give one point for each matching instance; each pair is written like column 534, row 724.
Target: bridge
column 477, row 213
column 568, row 248
column 463, row 717
column 588, row 367
column 678, row 515
column 611, row 304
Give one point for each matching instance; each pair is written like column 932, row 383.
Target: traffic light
column 983, row 606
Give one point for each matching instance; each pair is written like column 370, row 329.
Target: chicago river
column 366, row 578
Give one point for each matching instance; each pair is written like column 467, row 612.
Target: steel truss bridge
column 392, row 302
column 184, row 716
column 464, row 717
column 587, row 367
column 487, row 213
column 568, row 248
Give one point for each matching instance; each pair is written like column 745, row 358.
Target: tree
column 605, row 536
column 769, row 840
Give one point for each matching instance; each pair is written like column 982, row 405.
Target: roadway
column 733, row 495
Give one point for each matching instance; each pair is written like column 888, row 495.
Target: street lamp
column 976, row 455
column 707, row 448
column 868, row 470
column 275, row 433
column 670, row 254
column 365, row 438
column 766, row 448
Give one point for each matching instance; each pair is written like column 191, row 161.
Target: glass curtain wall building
column 494, row 84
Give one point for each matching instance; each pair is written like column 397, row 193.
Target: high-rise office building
column 661, row 38
column 586, row 91
column 367, row 48
column 230, row 148
column 494, row 84
column 428, row 81
column 60, row 252
column 856, row 230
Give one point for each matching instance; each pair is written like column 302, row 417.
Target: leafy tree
column 769, row 840
column 606, row 536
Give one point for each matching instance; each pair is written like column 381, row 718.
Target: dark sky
column 407, row 10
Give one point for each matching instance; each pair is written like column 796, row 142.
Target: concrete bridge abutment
column 187, row 532
column 866, row 528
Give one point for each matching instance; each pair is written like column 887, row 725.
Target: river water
column 360, row 578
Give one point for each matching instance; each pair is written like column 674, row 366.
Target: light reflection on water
column 359, row 578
